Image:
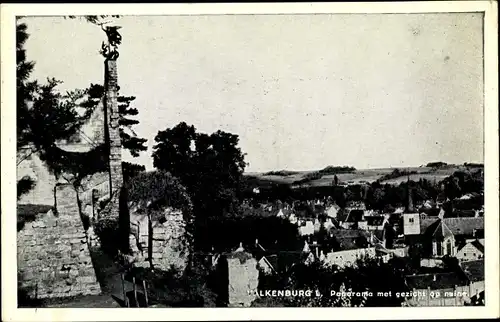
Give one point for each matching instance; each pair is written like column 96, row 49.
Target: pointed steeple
column 306, row 248
column 322, row 256
column 240, row 248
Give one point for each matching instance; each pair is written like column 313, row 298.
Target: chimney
column 474, row 232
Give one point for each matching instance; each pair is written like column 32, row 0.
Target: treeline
column 281, row 173
column 329, row 170
column 396, row 173
column 337, row 170
column 440, row 164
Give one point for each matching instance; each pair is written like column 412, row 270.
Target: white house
column 333, row 211
column 307, row 229
column 328, row 224
column 348, row 257
column 471, row 251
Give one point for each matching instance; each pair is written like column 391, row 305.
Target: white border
column 9, row 287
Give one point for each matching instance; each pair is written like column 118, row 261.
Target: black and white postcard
column 234, row 157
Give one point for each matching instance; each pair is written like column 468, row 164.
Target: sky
column 301, row 91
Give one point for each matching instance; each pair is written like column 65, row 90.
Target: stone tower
column 112, row 118
column 112, row 125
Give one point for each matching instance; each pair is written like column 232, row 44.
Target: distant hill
column 353, row 176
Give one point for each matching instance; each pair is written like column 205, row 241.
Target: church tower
column 409, row 197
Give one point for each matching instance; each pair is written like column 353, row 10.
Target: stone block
column 76, row 241
column 48, row 275
column 86, row 271
column 28, row 275
column 73, row 272
column 33, row 263
column 86, row 279
column 27, row 231
column 39, row 224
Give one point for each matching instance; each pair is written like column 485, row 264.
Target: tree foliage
column 370, row 283
column 94, row 19
column 209, row 165
column 45, row 116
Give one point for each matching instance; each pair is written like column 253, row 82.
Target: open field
column 256, row 179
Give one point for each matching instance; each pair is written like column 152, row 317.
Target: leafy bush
column 107, row 229
column 158, row 189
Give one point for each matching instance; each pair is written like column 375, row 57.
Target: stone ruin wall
column 243, row 281
column 53, row 255
column 30, row 165
column 167, row 246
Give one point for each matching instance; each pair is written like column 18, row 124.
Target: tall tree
column 25, row 88
column 46, row 116
column 43, row 114
column 210, row 166
column 129, row 139
column 94, row 19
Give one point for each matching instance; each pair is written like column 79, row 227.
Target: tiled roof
column 464, row 226
column 354, row 215
column 456, row 226
column 349, row 233
column 476, row 243
column 347, row 238
column 379, row 234
column 474, row 270
column 272, row 261
column 464, row 213
column 432, row 212
column 442, row 231
column 425, row 223
column 442, row 281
